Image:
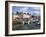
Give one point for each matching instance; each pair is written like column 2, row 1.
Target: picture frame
column 26, row 10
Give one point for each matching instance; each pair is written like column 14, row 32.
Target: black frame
column 6, row 17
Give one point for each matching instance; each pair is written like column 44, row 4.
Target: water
column 31, row 26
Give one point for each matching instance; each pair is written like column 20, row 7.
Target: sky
column 31, row 10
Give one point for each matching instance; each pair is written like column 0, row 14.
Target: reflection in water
column 26, row 26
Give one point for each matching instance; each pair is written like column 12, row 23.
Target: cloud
column 36, row 13
column 31, row 10
column 23, row 9
column 36, row 8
